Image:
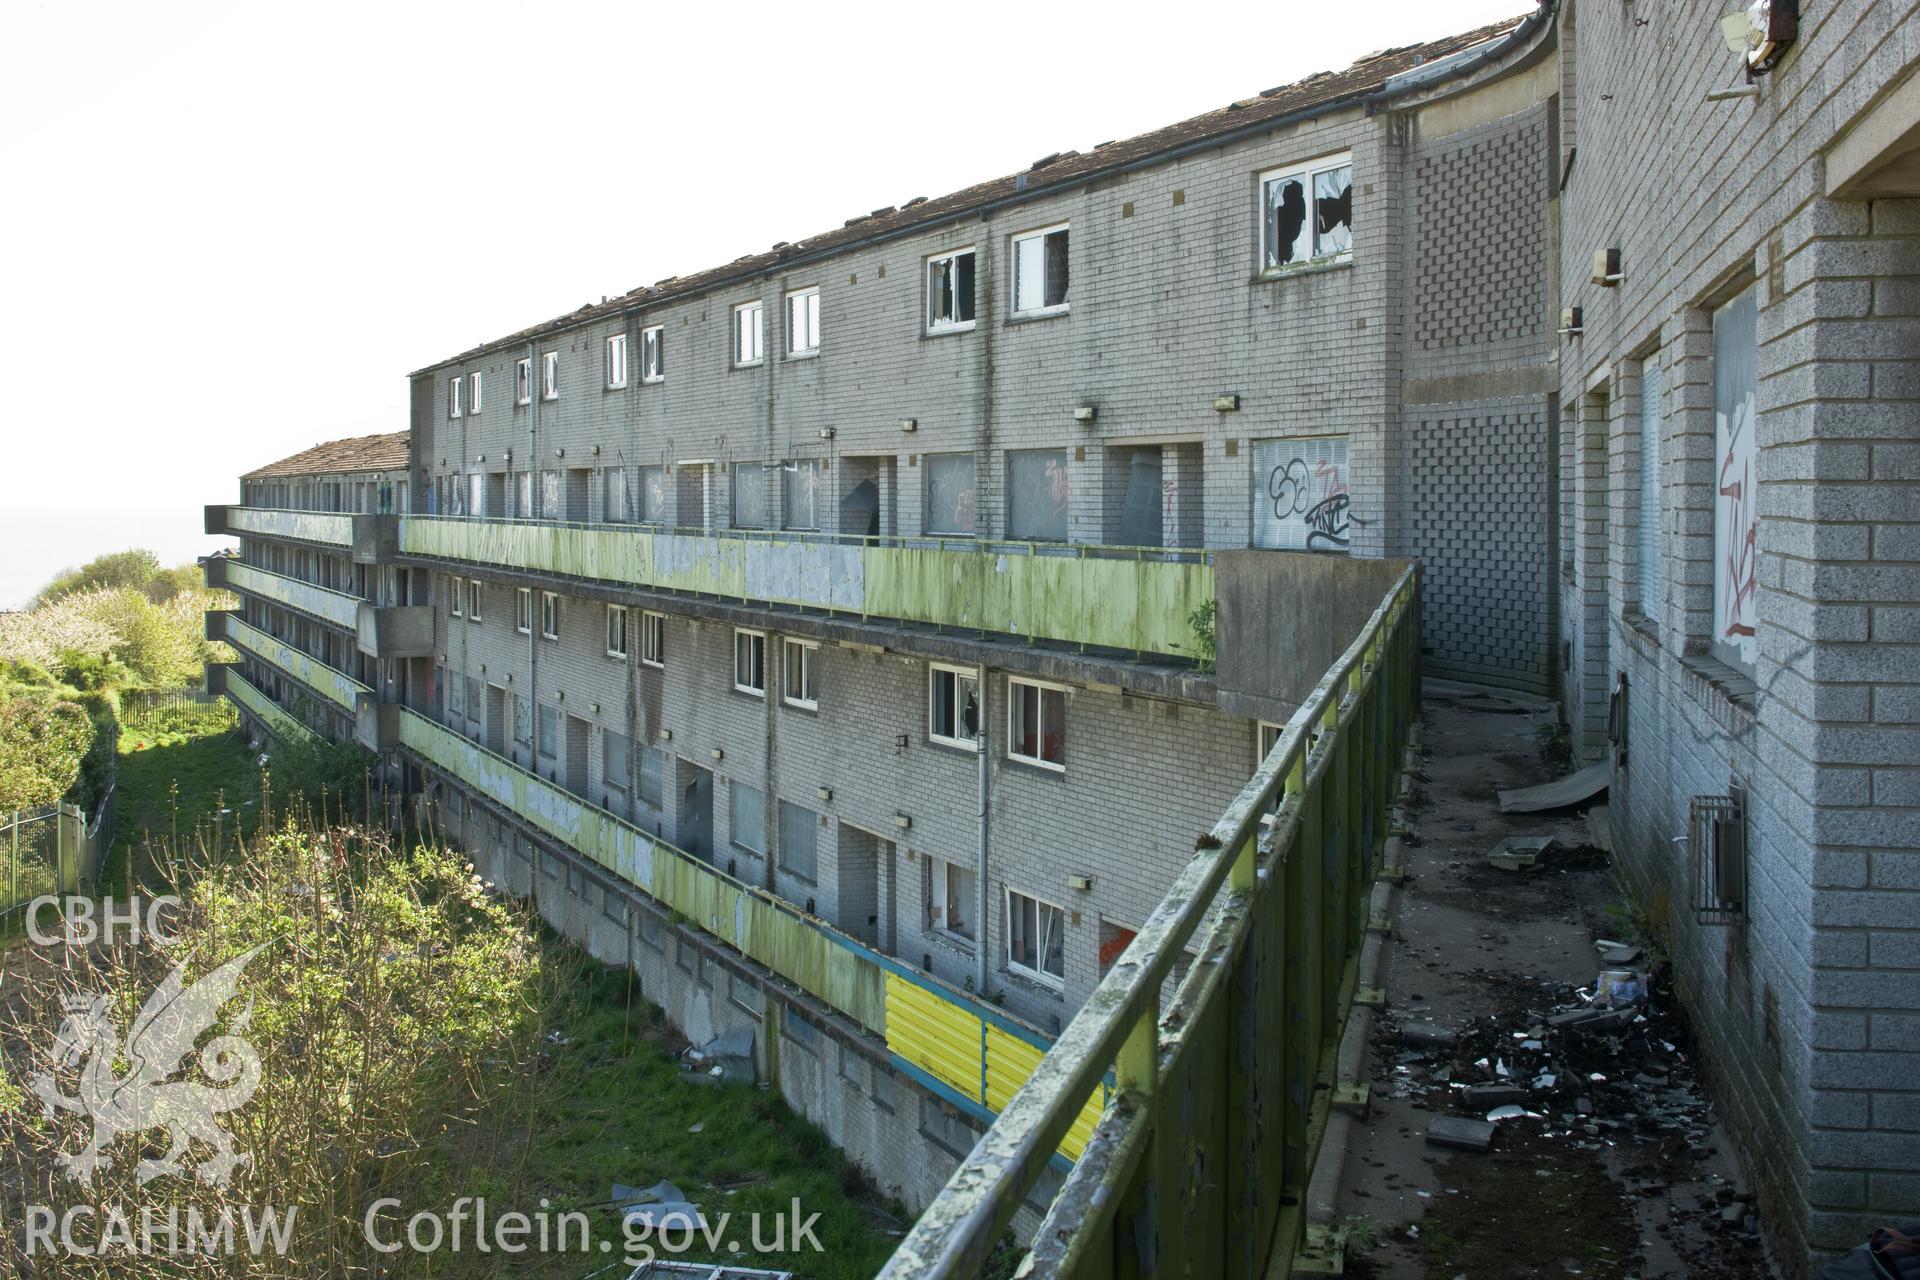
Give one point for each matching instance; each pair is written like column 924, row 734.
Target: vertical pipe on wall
column 981, row 967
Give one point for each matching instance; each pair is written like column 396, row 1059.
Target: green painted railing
column 335, row 686
column 277, row 719
column 1136, row 598
column 1200, row 1163
column 332, row 527
column 333, row 606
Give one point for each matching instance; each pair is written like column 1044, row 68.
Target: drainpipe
column 981, row 966
column 534, row 602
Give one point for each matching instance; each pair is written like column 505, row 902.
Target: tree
column 131, row 570
column 41, row 746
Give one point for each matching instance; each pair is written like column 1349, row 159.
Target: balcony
column 395, row 631
column 1135, row 599
column 336, row 607
column 226, row 678
column 963, row 1049
column 329, row 528
column 336, row 687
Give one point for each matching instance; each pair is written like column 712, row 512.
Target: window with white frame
column 475, row 386
column 1266, row 737
column 750, row 662
column 549, row 615
column 653, row 639
column 453, row 396
column 616, row 631
column 1036, row 939
column 1040, row 271
column 951, row 890
column 473, row 600
column 950, row 291
column 616, row 361
column 803, row 322
column 1307, row 213
column 1734, row 638
column 749, row 339
column 523, row 611
column 953, row 706
column 523, row 381
column 1648, row 590
column 747, row 816
column 455, row 590
column 476, row 493
column 550, row 376
column 653, row 354
column 797, row 687
column 1037, row 723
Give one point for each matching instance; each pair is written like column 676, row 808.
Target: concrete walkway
column 1618, row 1171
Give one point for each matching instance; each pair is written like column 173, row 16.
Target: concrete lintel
column 1879, row 154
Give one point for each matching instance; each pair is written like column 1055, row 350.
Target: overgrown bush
column 42, row 745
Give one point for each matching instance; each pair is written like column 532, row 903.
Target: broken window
column 748, row 343
column 523, row 381
column 750, row 662
column 652, row 495
column 549, row 615
column 1300, row 498
column 803, row 322
column 749, row 495
column 551, row 376
column 616, row 360
column 1307, row 212
column 950, row 291
column 616, row 631
column 653, row 354
column 1036, row 938
column 953, row 706
column 1040, row 271
column 1038, row 492
column 803, row 482
column 950, row 892
column 523, row 611
column 950, row 493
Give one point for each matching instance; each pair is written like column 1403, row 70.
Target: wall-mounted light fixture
column 666, row 735
column 717, row 754
column 480, row 457
column 1085, row 413
column 561, row 452
column 825, row 793
column 1080, row 883
column 1570, row 320
column 909, row 424
column 1226, row 404
column 1606, row 268
column 1761, row 33
column 826, row 433
column 903, row 822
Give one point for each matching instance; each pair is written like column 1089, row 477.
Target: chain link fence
column 55, row 849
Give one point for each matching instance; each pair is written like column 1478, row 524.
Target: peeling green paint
column 341, row 610
column 1133, row 600
column 245, row 695
column 336, row 687
column 332, row 527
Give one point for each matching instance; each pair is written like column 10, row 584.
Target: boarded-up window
column 1038, row 494
column 619, row 507
column 803, row 483
column 749, row 495
column 1300, row 498
column 614, row 764
column 653, row 494
column 1650, row 585
column 950, row 493
column 799, row 841
column 1736, row 515
column 749, row 817
column 652, row 771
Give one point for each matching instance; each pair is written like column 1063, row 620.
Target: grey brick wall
column 1808, row 1007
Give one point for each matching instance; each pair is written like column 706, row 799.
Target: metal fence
column 147, row 704
column 1199, row 1164
column 56, row 849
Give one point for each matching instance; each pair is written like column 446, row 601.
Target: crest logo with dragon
column 146, row 1096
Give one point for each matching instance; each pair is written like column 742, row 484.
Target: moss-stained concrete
column 332, row 685
column 330, row 527
column 333, row 606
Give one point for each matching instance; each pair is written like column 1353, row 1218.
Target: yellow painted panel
column 940, row 1038
column 1011, row 1062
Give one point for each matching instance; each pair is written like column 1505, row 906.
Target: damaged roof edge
column 1445, row 71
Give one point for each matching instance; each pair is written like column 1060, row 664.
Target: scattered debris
column 1519, row 853
column 660, row 1205
column 1424, row 1035
column 725, row 1059
column 1460, row 1133
column 1561, row 793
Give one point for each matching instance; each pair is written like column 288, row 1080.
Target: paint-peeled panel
column 941, row 1039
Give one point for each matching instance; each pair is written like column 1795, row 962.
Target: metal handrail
column 1119, row 1024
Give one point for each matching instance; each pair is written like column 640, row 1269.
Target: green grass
column 179, row 774
column 613, row 1108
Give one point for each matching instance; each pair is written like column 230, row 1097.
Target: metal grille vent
column 1717, row 835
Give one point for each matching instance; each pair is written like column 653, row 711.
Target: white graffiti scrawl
column 1736, row 515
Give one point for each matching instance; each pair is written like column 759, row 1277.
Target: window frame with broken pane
column 942, row 276
column 1308, row 173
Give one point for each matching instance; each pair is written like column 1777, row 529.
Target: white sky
column 230, row 230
